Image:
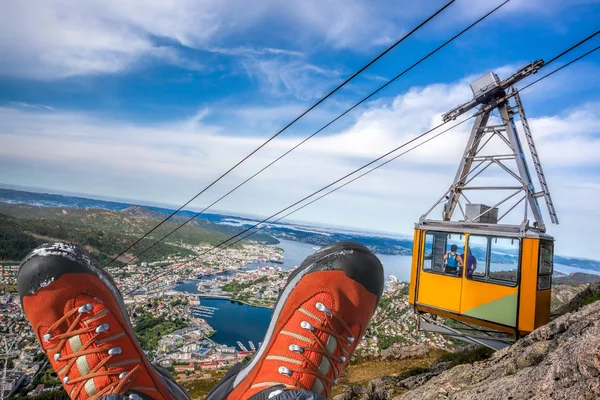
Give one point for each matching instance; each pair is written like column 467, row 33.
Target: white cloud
column 253, row 51
column 170, row 162
column 283, row 77
column 21, row 104
column 60, row 38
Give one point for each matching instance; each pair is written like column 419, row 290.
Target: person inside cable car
column 452, row 261
column 471, row 263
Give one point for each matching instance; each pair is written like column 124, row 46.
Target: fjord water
column 234, row 321
column 295, row 252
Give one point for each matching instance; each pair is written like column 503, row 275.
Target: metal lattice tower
column 536, row 160
column 491, row 94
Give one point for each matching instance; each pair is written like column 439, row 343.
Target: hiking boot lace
column 67, row 361
column 344, row 342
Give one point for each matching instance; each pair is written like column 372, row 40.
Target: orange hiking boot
column 319, row 319
column 81, row 322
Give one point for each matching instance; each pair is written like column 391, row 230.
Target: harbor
column 234, row 322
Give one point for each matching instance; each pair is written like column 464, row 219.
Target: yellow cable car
column 490, row 278
column 502, row 282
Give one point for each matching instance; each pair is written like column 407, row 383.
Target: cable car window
column 428, row 258
column 442, row 253
column 546, row 257
column 504, row 259
column 546, row 266
column 477, row 259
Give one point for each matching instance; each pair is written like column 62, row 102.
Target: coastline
column 223, row 297
column 251, row 305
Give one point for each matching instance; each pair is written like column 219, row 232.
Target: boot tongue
column 85, row 364
column 325, row 365
column 322, row 363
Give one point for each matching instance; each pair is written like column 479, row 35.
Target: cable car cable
column 368, row 164
column 402, row 39
column 352, row 180
column 561, row 67
column 324, row 127
column 303, row 199
column 572, row 48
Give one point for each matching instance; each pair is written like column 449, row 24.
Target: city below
column 173, row 315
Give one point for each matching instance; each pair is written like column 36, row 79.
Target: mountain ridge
column 143, row 212
column 269, row 234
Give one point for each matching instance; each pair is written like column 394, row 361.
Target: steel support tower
column 491, row 94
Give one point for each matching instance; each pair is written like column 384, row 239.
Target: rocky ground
column 560, row 360
column 563, row 294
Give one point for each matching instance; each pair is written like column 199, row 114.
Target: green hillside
column 19, row 236
column 110, row 221
column 15, row 242
column 103, row 233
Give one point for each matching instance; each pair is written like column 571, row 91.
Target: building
column 14, row 380
column 36, row 391
column 227, row 350
column 182, row 368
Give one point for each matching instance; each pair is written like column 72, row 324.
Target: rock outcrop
column 560, row 360
column 582, row 297
column 563, row 294
column 401, row 353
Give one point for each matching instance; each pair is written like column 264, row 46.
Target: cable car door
column 440, row 283
column 490, row 286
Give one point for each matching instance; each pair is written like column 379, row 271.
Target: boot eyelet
column 115, row 351
column 322, row 307
column 350, row 339
column 56, row 356
column 296, row 349
column 285, row 371
column 85, row 308
column 47, row 337
column 307, row 325
column 123, row 374
column 65, row 379
column 102, row 328
column 342, row 359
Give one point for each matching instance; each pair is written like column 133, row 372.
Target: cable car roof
column 516, row 231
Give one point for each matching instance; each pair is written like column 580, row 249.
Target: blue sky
column 152, row 100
